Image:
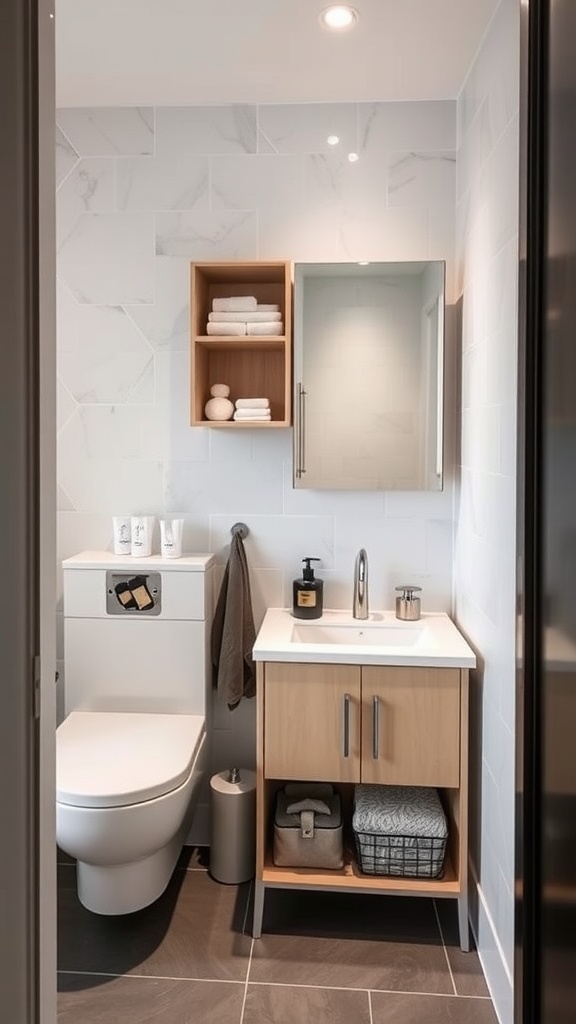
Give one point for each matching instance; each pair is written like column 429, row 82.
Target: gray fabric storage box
column 308, row 839
column 399, row 830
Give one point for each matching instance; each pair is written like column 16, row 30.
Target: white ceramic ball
column 220, row 391
column 219, row 409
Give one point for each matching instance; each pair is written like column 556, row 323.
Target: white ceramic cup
column 171, row 537
column 122, row 534
column 142, row 528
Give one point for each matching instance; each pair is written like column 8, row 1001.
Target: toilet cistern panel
column 128, row 662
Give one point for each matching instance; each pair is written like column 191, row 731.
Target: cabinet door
column 411, row 726
column 312, row 722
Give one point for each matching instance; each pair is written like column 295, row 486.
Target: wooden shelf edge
column 350, row 877
column 240, row 425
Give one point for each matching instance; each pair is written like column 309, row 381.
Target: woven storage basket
column 399, row 830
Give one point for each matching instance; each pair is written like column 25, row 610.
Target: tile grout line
column 273, row 984
column 444, row 948
column 244, row 922
column 371, row 1016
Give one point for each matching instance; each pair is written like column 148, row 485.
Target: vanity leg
column 258, row 909
column 463, row 923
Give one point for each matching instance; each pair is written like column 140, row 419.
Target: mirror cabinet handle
column 301, row 430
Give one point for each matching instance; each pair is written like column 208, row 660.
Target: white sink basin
column 382, row 639
column 368, row 634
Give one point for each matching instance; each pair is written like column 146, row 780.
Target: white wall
column 141, row 193
column 487, row 261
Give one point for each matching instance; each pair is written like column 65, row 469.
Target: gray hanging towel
column 233, row 632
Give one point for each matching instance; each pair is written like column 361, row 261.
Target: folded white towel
column 235, row 304
column 252, row 403
column 265, row 328
column 248, row 317
column 252, row 414
column 226, row 329
column 268, row 307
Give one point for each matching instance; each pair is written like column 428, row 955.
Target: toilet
column 132, row 750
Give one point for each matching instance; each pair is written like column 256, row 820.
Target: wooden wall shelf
column 252, row 366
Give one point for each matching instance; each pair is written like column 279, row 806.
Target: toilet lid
column 110, row 759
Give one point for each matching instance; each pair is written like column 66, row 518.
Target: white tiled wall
column 144, row 191
column 487, row 260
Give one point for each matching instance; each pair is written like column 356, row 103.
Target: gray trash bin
column 233, row 825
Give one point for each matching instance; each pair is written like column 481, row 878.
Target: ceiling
column 177, row 52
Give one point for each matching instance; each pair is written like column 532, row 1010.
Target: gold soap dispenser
column 307, row 593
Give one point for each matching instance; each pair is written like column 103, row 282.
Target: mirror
column 368, row 373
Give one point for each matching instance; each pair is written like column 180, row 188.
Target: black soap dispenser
column 307, row 593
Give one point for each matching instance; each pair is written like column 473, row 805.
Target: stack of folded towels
column 243, row 314
column 256, row 409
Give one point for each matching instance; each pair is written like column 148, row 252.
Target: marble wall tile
column 165, row 323
column 219, row 235
column 393, row 234
column 106, row 485
column 144, row 390
column 108, row 131
column 206, row 486
column 213, row 129
column 172, row 438
column 256, row 183
column 89, row 188
column 66, row 157
column 305, row 128
column 163, row 183
column 103, row 356
column 389, row 127
column 65, row 405
column 421, row 179
column 108, row 258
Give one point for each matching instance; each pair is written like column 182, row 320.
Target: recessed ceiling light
column 332, row 140
column 338, row 18
column 353, row 157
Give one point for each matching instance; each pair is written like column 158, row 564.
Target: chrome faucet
column 360, row 600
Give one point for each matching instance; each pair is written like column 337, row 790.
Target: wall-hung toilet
column 132, row 750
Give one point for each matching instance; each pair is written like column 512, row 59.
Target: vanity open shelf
column 252, row 366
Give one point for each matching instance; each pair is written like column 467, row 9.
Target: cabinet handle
column 375, row 727
column 346, row 743
column 301, row 430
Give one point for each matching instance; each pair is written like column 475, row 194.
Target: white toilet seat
column 114, row 759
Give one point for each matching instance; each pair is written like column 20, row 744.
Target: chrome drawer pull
column 375, row 727
column 346, row 725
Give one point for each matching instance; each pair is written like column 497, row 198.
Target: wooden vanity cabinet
column 347, row 724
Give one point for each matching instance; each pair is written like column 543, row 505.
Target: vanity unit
column 378, row 701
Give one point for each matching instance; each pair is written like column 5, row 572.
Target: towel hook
column 241, row 530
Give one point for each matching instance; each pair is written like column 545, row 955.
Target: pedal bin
column 233, row 825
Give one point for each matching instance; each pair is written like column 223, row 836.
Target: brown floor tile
column 351, row 963
column 391, row 1008
column 331, row 939
column 276, row 1004
column 147, row 1001
column 468, row 976
column 193, row 931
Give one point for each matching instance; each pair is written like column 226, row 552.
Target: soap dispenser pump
column 307, row 593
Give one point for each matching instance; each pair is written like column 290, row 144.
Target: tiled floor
column 323, row 958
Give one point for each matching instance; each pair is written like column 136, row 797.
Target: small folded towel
column 268, row 307
column 233, row 633
column 227, row 329
column 252, row 414
column 247, row 317
column 265, row 328
column 234, row 304
column 252, row 403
